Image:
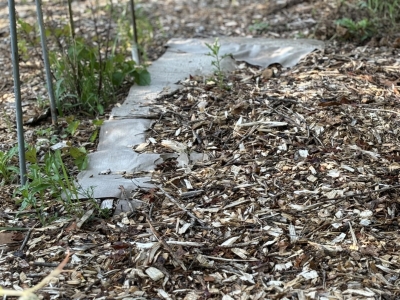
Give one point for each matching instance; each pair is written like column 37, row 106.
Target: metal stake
column 46, row 62
column 17, row 91
column 135, row 50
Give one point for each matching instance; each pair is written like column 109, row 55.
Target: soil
column 299, row 198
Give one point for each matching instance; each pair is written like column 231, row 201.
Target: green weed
column 380, row 17
column 362, row 29
column 122, row 16
column 72, row 125
column 88, row 83
column 79, row 155
column 48, row 133
column 214, row 53
column 87, row 71
column 8, row 171
column 259, row 27
column 30, row 40
column 386, row 9
column 95, row 133
column 7, row 120
column 48, row 181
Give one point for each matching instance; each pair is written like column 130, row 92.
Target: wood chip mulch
column 297, row 196
column 280, row 184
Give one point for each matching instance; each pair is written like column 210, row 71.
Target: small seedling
column 214, row 53
column 259, row 27
column 95, row 132
column 48, row 180
column 8, row 172
column 362, row 29
column 72, row 125
column 80, row 156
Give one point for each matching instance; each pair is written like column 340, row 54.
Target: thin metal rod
column 71, row 19
column 135, row 50
column 46, row 62
column 17, row 91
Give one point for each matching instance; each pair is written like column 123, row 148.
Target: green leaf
column 93, row 136
column 100, row 109
column 24, row 205
column 47, row 32
column 348, row 23
column 76, row 152
column 117, row 78
column 81, row 162
column 27, row 28
column 40, row 187
column 128, row 66
column 30, row 155
column 73, row 126
column 142, row 77
column 118, row 58
column 98, row 122
column 80, row 157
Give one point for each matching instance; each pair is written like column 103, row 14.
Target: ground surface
column 299, row 197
